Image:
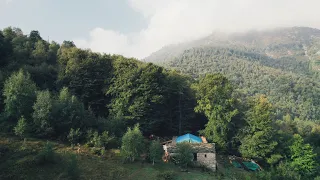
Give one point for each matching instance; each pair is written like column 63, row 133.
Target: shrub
column 21, row 127
column 89, row 137
column 96, row 151
column 73, row 171
column 285, row 171
column 74, row 136
column 105, row 138
column 132, row 143
column 184, row 156
column 24, row 145
column 155, row 151
column 47, row 155
column 98, row 141
column 103, row 151
column 42, row 114
column 166, row 175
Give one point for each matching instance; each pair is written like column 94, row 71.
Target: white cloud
column 173, row 21
column 4, row 2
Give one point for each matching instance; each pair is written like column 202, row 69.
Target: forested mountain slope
column 60, row 92
column 80, row 88
column 281, row 63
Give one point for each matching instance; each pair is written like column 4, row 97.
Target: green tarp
column 250, row 165
column 236, row 164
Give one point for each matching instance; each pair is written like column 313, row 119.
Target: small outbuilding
column 204, row 153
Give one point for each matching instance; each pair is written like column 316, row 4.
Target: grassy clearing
column 17, row 161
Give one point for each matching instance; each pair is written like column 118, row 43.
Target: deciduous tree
column 214, row 99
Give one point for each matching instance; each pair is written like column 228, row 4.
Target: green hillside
column 280, row 63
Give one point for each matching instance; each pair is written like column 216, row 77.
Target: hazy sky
column 139, row 27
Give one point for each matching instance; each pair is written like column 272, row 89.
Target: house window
column 195, row 157
column 205, row 155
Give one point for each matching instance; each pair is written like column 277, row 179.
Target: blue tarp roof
column 188, row 138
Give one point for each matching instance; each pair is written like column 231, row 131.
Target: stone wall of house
column 208, row 160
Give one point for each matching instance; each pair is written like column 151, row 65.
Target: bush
column 96, row 151
column 74, row 136
column 89, row 138
column 166, row 175
column 47, row 155
column 21, row 127
column 132, row 143
column 73, row 171
column 285, row 171
column 98, row 141
column 184, row 156
column 105, row 139
column 155, row 151
column 24, row 145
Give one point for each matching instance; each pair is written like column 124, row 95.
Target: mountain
column 283, row 63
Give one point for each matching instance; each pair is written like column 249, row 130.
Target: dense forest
column 267, row 113
column 281, row 64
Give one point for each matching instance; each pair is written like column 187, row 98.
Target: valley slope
column 282, row 63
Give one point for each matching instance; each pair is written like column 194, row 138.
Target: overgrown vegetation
column 184, row 154
column 46, row 155
column 155, row 151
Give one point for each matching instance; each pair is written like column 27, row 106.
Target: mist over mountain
column 282, row 63
column 262, row 41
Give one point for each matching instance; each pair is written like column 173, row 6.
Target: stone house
column 204, row 153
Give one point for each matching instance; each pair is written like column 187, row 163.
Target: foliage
column 19, row 95
column 274, row 159
column 98, row 141
column 103, row 92
column 258, row 140
column 139, row 94
column 24, row 144
column 106, row 138
column 86, row 75
column 21, row 129
column 68, row 113
column 132, row 143
column 42, row 116
column 184, row 154
column 47, row 155
column 80, row 89
column 74, row 136
column 272, row 64
column 73, row 170
column 303, row 157
column 215, row 101
column 282, row 171
column 155, row 151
